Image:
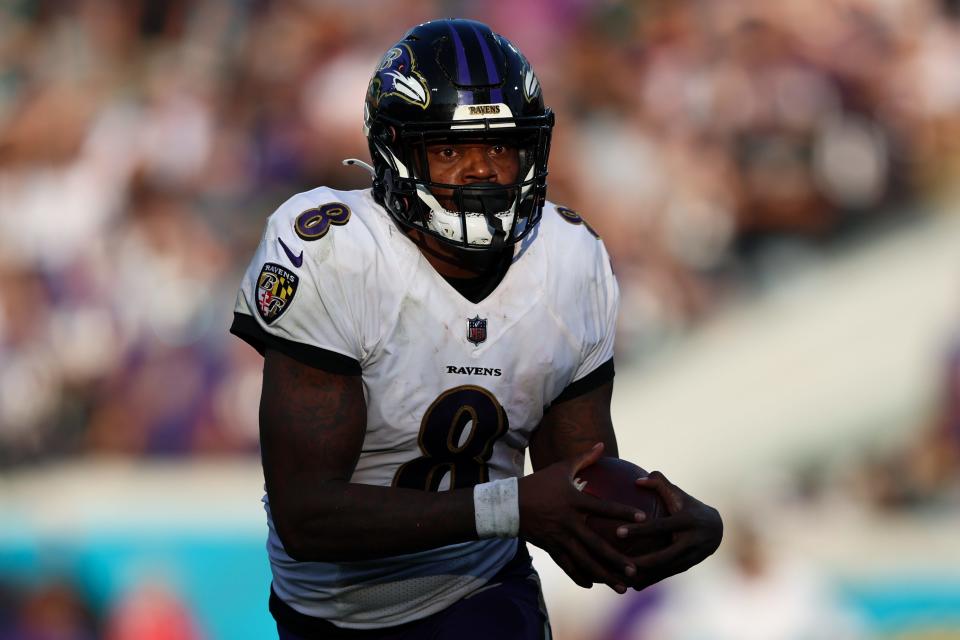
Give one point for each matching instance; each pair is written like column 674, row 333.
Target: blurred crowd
column 714, row 144
column 142, row 143
column 60, row 609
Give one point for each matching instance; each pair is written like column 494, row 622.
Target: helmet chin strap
column 478, row 201
column 489, row 206
column 499, row 235
column 480, row 206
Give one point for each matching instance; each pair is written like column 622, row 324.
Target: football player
column 418, row 337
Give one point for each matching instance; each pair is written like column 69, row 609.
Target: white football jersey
column 454, row 388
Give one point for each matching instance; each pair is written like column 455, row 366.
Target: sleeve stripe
column 247, row 329
column 593, row 380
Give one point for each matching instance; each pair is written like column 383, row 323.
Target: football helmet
column 453, row 82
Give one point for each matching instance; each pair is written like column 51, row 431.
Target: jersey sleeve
column 601, row 307
column 292, row 298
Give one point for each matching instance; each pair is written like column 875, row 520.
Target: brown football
column 613, row 479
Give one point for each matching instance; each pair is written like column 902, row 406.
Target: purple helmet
column 457, row 81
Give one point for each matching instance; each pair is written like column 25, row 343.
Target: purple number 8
column 313, row 224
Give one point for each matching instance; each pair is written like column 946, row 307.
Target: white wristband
column 496, row 509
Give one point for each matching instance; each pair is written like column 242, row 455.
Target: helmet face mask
column 420, row 96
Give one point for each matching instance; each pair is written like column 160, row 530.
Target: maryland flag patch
column 275, row 289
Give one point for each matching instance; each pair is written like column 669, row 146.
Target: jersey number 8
column 445, row 446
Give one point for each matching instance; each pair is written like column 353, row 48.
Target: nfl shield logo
column 476, row 329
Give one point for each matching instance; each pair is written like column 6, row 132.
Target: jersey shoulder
column 313, row 221
column 342, row 234
column 568, row 235
column 583, row 289
column 325, row 274
column 579, row 265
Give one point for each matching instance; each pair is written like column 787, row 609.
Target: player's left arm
column 571, row 427
column 574, row 426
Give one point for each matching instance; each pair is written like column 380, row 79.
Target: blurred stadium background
column 777, row 184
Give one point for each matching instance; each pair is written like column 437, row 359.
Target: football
column 613, row 479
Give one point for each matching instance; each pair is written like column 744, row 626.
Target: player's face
column 471, row 163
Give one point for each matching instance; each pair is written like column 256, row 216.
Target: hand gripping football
column 613, row 479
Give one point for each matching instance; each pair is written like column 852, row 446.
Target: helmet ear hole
column 382, row 134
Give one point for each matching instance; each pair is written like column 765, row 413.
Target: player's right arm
column 312, row 424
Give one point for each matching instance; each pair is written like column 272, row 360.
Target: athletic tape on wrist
column 496, row 509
